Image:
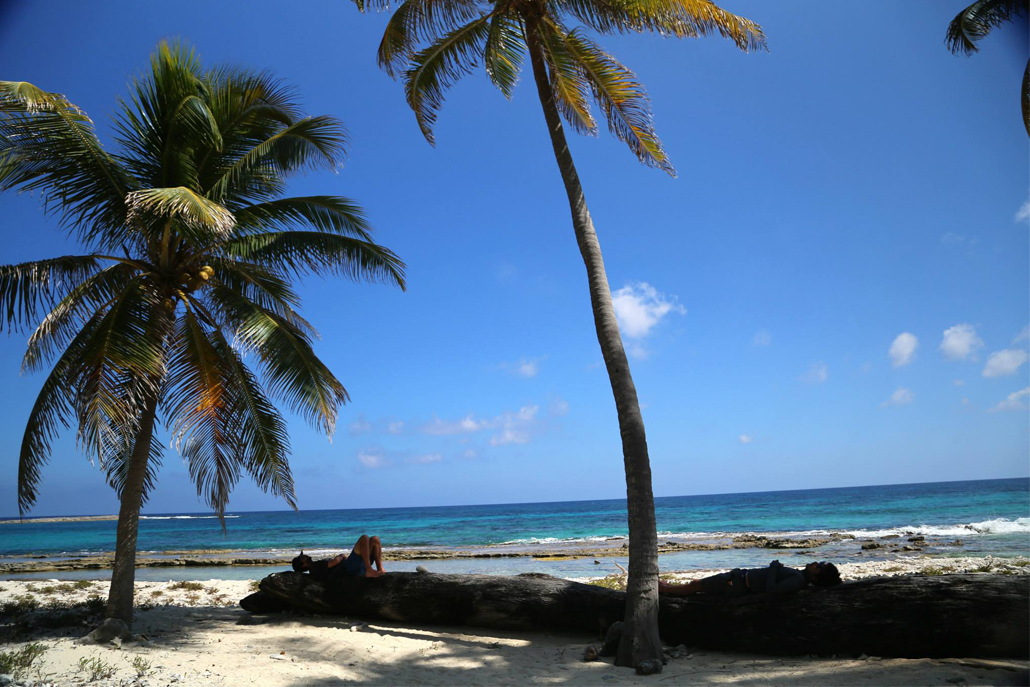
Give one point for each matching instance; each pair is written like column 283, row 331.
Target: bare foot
column 374, row 573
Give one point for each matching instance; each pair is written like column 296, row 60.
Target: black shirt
column 321, row 571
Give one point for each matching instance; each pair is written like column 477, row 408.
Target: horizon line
column 521, row 503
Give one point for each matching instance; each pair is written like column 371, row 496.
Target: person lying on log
column 776, row 579
column 367, row 550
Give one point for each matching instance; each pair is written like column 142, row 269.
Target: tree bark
column 916, row 616
column 640, row 642
column 123, row 574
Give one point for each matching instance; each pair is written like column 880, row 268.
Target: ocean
column 987, row 517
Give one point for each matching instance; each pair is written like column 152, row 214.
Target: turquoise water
column 989, row 516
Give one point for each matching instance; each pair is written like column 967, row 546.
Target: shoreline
column 840, row 544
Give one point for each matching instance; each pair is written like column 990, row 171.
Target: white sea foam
column 184, row 517
column 996, row 526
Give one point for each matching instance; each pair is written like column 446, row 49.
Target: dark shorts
column 730, row 583
column 353, row 566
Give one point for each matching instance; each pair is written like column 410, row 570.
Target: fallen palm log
column 916, row 616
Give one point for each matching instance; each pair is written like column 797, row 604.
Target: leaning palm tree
column 570, row 70
column 976, row 21
column 190, row 250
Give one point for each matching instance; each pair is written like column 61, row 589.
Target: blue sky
column 833, row 291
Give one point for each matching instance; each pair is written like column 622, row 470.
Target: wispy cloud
column 745, row 438
column 959, row 382
column 372, row 459
column 559, row 406
column 640, row 307
column 424, row 459
column 525, row 367
column 1023, row 213
column 396, row 427
column 903, row 349
column 762, row 338
column 961, row 342
column 1004, row 363
column 901, row 397
column 1023, row 335
column 510, row 427
column 360, row 426
column 1013, row 401
column 817, row 373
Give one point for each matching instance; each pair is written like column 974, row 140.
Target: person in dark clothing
column 776, row 579
column 367, row 550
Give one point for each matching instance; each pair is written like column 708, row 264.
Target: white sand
column 201, row 637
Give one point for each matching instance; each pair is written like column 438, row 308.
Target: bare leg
column 376, row 552
column 362, row 548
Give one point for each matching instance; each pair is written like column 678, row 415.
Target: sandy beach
column 193, row 633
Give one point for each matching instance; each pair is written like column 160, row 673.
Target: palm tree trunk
column 640, row 640
column 123, row 575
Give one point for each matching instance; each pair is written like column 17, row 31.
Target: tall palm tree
column 191, row 247
column 976, row 21
column 569, row 69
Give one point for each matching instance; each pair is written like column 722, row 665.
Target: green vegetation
column 17, row 663
column 95, row 668
column 255, row 586
column 187, row 585
column 141, row 666
column 938, row 570
column 976, row 21
column 191, row 252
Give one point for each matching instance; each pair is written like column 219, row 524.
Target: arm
column 333, row 562
column 791, row 580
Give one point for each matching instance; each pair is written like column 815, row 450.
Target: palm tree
column 569, row 69
column 190, row 249
column 975, row 22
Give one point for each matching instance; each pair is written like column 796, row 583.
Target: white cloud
column 903, row 349
column 1022, row 335
column 559, row 406
column 952, row 239
column 469, row 453
column 961, row 342
column 510, row 427
column 1023, row 213
column 440, row 427
column 745, row 438
column 639, row 307
column 424, row 459
column 1013, row 401
column 395, row 427
column 372, row 459
column 360, row 426
column 528, row 368
column 818, row 373
column 900, row 397
column 959, row 382
column 866, row 367
column 1003, row 363
column 762, row 338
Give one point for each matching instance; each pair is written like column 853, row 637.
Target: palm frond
column 311, row 143
column 262, row 443
column 416, row 21
column 439, row 66
column 973, row 23
column 193, row 210
column 118, row 467
column 27, row 286
column 93, row 294
column 679, row 18
column 330, row 214
column 622, row 99
column 292, row 370
column 309, row 252
column 569, row 84
column 504, row 51
column 49, row 145
column 50, row 413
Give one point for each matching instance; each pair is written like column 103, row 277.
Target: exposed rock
column 917, row 538
column 871, row 545
column 111, row 631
